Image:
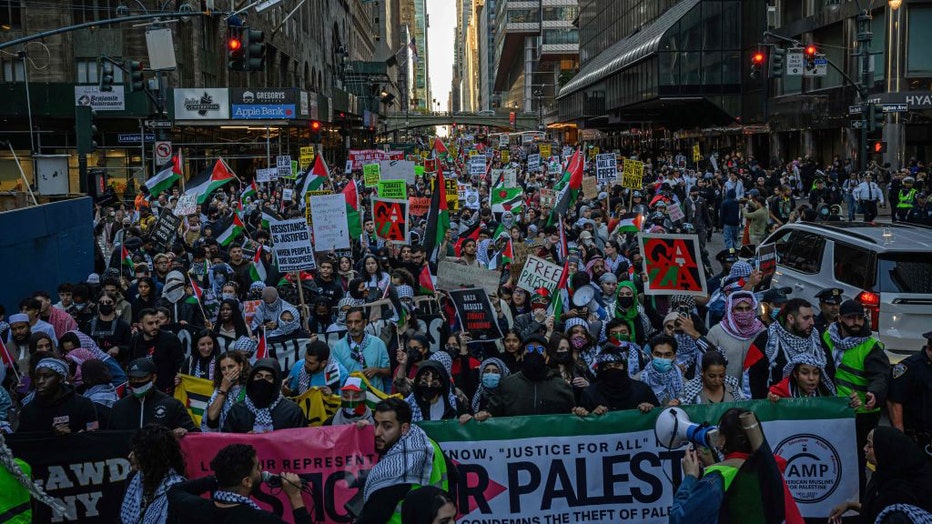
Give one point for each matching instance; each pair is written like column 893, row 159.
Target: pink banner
column 329, row 458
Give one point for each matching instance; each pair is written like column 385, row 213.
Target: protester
column 229, row 388
column 57, row 408
column 432, row 397
column 354, row 408
column 264, row 409
column 317, row 370
column 159, row 345
column 360, row 351
column 662, row 375
column 145, row 404
column 613, row 389
column 428, row 505
column 156, row 456
column 714, row 384
column 535, row 390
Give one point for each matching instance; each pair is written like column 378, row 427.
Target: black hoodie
column 286, row 414
column 903, row 475
column 449, row 411
column 72, row 409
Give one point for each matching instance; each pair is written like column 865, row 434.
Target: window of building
column 13, row 70
column 521, row 16
column 91, row 10
column 10, row 13
column 561, row 36
column 88, row 70
column 918, row 58
column 565, row 13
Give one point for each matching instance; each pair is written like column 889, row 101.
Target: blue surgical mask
column 774, row 313
column 662, row 365
column 491, row 380
column 229, row 296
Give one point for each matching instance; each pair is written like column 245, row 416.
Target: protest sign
column 186, row 205
column 697, row 153
column 419, row 171
column 371, row 175
column 503, row 140
column 391, row 218
column 451, row 275
column 468, row 196
column 349, row 167
column 393, row 189
column 476, row 313
column 287, row 194
column 328, row 213
column 165, row 230
column 675, row 212
column 430, row 165
column 544, row 150
column 767, row 259
column 306, row 156
column 606, row 168
column 547, row 198
column 633, row 174
column 361, row 157
column 283, row 162
column 330, row 459
column 590, row 186
column 510, row 177
column 398, row 170
column 559, row 468
column 291, row 242
column 477, row 166
column 86, row 471
column 506, row 156
column 522, row 250
column 672, row 264
column 533, row 162
column 418, row 206
column 453, row 196
column 538, row 273
column 567, row 152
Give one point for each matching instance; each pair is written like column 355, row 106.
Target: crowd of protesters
column 106, row 353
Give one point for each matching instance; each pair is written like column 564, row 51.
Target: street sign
column 855, row 110
column 856, row 124
column 821, row 67
column 895, row 108
column 795, row 63
column 162, row 152
column 159, row 124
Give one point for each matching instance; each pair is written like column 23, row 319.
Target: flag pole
column 304, row 311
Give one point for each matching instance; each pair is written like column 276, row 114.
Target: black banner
column 476, row 314
column 86, row 471
column 165, row 229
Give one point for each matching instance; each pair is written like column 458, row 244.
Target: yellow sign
column 633, row 175
column 371, row 173
column 307, row 156
column 506, row 156
column 593, row 152
column 473, row 152
column 544, row 150
column 697, row 153
column 423, row 154
column 453, row 196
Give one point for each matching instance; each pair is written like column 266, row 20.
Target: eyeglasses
column 535, row 348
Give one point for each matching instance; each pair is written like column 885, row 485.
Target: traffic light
column 85, row 129
column 254, row 44
column 875, row 118
column 105, row 82
column 236, row 55
column 757, row 63
column 810, row 53
column 316, row 129
column 878, row 146
column 777, row 62
column 136, row 81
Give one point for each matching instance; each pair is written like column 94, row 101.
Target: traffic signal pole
column 864, row 38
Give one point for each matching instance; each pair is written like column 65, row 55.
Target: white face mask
column 227, row 296
column 140, row 391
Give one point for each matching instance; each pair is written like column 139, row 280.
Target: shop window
column 13, row 70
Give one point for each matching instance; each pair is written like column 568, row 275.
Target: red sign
column 672, row 264
column 391, row 218
column 418, row 206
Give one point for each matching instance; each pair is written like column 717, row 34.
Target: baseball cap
column 777, row 295
column 850, row 307
column 141, row 367
column 354, row 384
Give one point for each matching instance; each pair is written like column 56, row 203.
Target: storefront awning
column 622, row 54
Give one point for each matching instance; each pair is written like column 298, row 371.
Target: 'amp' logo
column 813, row 467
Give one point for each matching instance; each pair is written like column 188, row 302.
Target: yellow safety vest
column 850, row 377
column 439, row 477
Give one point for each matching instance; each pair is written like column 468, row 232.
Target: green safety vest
column 438, row 478
column 727, row 471
column 15, row 501
column 906, row 201
column 850, row 376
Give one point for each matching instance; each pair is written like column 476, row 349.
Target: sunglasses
column 535, row 348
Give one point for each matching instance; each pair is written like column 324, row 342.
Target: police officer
column 921, row 212
column 829, row 301
column 906, row 197
column 910, row 397
column 727, row 258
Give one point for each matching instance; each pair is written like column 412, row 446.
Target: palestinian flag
column 556, row 303
column 507, row 256
column 262, row 350
column 269, row 215
column 503, row 199
column 219, row 176
column 472, row 232
column 562, row 248
column 312, row 179
column 257, row 271
column 125, row 259
column 426, row 281
column 232, row 231
column 166, row 178
column 6, row 359
column 438, row 217
column 196, row 292
column 353, row 218
column 439, row 148
column 251, row 192
column 194, row 393
column 568, row 188
column 631, row 225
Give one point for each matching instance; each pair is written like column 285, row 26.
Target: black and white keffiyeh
column 228, row 497
column 806, row 358
column 781, row 340
column 137, row 511
column 417, row 415
column 263, row 415
column 915, row 514
column 693, row 388
column 666, row 386
column 409, row 461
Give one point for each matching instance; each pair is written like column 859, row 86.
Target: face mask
column 229, row 296
column 743, row 318
column 491, row 380
column 534, row 367
column 563, row 357
column 428, row 392
column 261, row 392
column 662, row 365
column 140, row 391
column 578, row 341
column 774, row 313
column 414, row 356
column 356, row 407
column 106, row 309
column 614, row 377
column 79, row 306
column 625, row 302
column 619, row 338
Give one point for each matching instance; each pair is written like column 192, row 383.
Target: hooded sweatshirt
column 422, row 409
column 262, row 400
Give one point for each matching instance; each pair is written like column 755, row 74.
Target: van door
column 799, row 262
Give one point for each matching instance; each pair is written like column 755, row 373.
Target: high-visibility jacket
column 851, row 377
column 15, row 506
column 439, row 477
column 906, row 201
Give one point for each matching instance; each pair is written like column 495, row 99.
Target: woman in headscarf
column 582, row 343
column 805, row 376
column 86, row 348
column 713, row 385
column 229, row 388
column 734, row 335
column 634, row 314
column 902, row 476
column 428, row 505
column 432, row 397
column 613, row 389
column 277, row 316
column 492, row 371
column 566, row 362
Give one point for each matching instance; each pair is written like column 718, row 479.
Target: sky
column 442, row 15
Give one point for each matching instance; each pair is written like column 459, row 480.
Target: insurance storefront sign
column 263, row 104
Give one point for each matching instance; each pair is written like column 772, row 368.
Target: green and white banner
column 563, row 468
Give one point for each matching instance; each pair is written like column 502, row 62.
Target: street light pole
column 864, row 37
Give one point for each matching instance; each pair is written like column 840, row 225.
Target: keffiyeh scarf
column 732, row 326
column 840, row 343
column 781, row 340
column 409, row 461
column 667, row 386
column 417, row 415
column 482, row 391
column 228, row 497
column 357, row 353
column 133, row 510
column 263, row 415
column 808, row 359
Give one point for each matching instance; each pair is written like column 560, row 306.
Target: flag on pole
column 568, row 188
column 197, row 292
column 232, row 231
column 472, row 232
column 353, row 218
column 125, row 259
column 562, row 248
column 412, row 45
column 426, row 281
column 166, row 178
column 257, row 270
column 631, row 225
column 6, row 359
column 311, row 179
column 220, row 175
column 262, row 350
column 250, row 192
column 556, row 303
column 438, row 218
column 269, row 215
column 439, row 148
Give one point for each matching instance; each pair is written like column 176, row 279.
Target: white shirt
column 868, row 191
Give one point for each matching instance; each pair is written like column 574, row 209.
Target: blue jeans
column 852, row 206
column 731, row 236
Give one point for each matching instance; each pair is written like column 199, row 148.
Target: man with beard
column 57, row 407
column 162, row 347
column 862, row 367
column 264, row 409
column 236, row 477
column 408, row 460
column 535, row 390
column 61, row 322
column 772, row 349
column 360, row 351
column 144, row 404
column 613, row 389
column 829, row 302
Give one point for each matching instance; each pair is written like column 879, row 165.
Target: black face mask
column 427, row 393
column 262, row 392
column 625, row 302
column 534, row 367
column 614, row 378
column 563, row 357
column 414, row 356
column 105, row 309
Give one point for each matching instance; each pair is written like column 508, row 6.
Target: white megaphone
column 673, row 429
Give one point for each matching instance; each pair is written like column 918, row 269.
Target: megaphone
column 584, row 296
column 673, row 429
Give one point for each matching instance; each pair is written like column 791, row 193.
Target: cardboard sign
column 606, row 168
column 538, row 273
column 291, row 242
column 533, row 163
column 391, row 219
column 452, row 275
column 287, row 194
column 186, row 205
column 283, row 162
column 418, row 206
column 590, row 187
column 633, row 175
column 393, row 189
column 371, row 175
column 548, row 198
column 476, row 314
column 453, row 196
column 398, row 170
column 675, row 212
column 328, row 214
column 307, row 156
column 673, row 264
column 165, row 230
column 544, row 150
